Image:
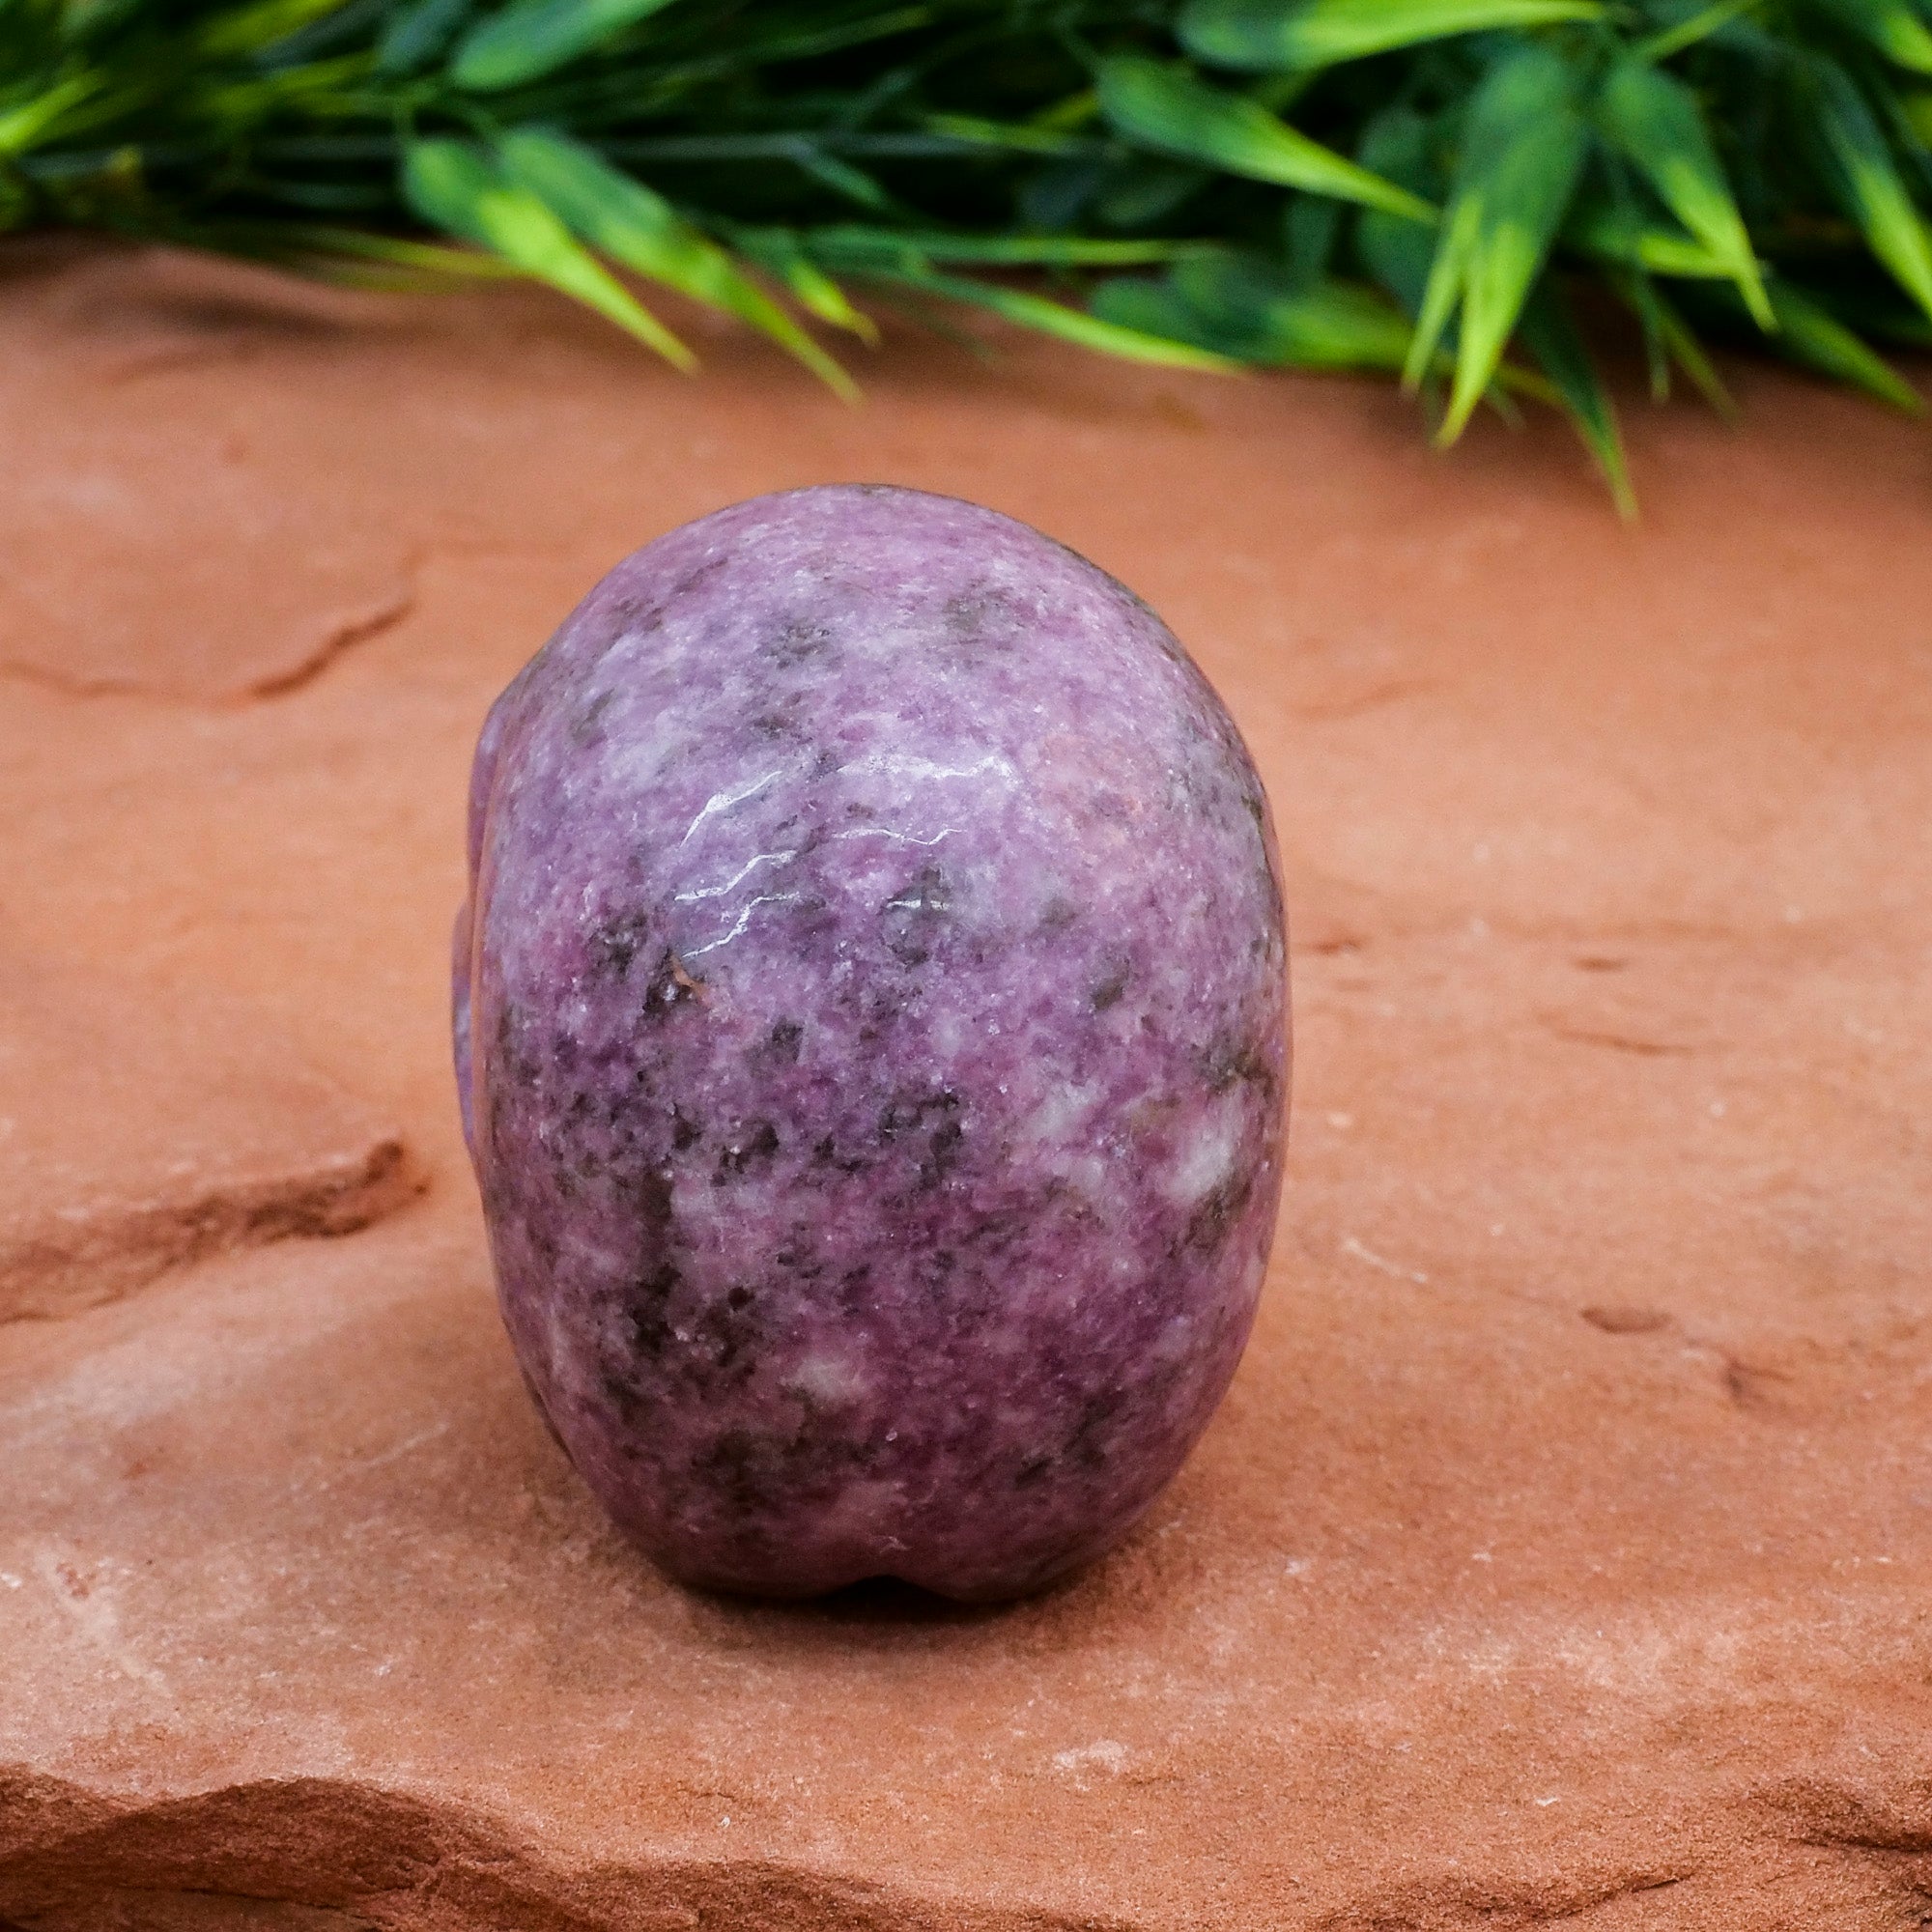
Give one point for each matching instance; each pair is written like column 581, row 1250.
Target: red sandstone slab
column 118, row 540
column 1562, row 1552
column 145, row 1132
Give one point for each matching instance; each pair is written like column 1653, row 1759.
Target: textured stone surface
column 1607, row 855
column 142, row 1131
column 137, row 483
column 874, row 1010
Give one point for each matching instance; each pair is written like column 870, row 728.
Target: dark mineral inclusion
column 870, row 1023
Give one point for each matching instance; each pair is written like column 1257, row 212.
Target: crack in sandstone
column 1597, row 1900
column 1618, row 1042
column 338, row 638
column 1354, row 704
column 342, row 637
column 64, row 1266
column 1496, row 1908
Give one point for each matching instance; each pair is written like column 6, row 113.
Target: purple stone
column 870, row 1022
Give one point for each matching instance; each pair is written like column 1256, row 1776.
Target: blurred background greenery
column 1466, row 194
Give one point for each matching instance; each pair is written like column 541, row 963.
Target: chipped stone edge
column 405, row 1864
column 401, row 1862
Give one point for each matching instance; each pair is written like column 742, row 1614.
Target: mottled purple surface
column 873, row 1039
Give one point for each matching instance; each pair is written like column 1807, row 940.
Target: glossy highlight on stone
column 870, row 1026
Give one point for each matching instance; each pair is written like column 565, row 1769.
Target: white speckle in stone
column 1208, row 1160
column 945, row 1033
column 1087, row 1174
column 826, row 1377
column 638, row 758
column 1175, row 1340
column 1063, row 1109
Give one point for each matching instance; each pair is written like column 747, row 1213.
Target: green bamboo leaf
column 1069, row 324
column 1447, row 284
column 1311, row 227
column 1397, row 253
column 1670, row 339
column 1237, row 306
column 79, row 21
column 1891, row 26
column 238, row 103
column 843, row 179
column 1550, row 333
column 1331, row 325
column 1679, row 340
column 1687, row 33
column 1656, row 121
column 779, row 252
column 532, row 38
column 818, row 295
column 1268, row 35
column 632, row 225
column 247, row 30
column 1025, row 138
column 355, row 256
column 857, row 244
column 418, row 33
column 1327, row 325
column 1868, row 182
column 1815, row 339
column 1523, row 150
column 1157, row 308
column 21, row 127
column 1622, row 236
column 1640, row 295
column 1171, row 109
column 358, row 271
column 430, row 259
column 456, row 187
column 1147, row 189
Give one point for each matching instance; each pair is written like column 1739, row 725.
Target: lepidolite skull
column 870, row 1021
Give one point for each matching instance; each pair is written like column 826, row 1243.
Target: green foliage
column 1166, row 109
column 1475, row 194
column 1654, row 122
column 1523, row 145
column 635, row 227
column 530, row 39
column 464, row 188
column 1283, row 36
